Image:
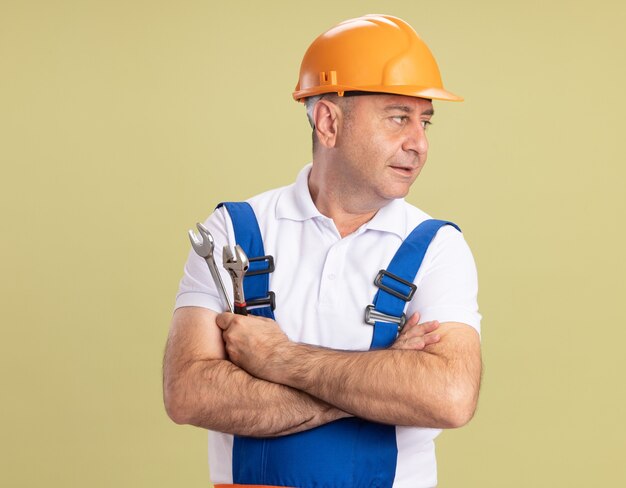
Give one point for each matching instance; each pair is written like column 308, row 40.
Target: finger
column 413, row 319
column 411, row 323
column 418, row 330
column 428, row 327
column 413, row 344
column 420, row 343
column 431, row 339
column 223, row 320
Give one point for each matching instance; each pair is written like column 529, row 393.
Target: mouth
column 405, row 171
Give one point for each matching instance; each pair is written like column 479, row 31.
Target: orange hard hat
column 373, row 53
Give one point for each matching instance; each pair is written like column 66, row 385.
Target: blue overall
column 351, row 452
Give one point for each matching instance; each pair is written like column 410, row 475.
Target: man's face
column 382, row 146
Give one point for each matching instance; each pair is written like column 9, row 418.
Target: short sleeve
column 447, row 282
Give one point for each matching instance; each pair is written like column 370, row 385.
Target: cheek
column 377, row 147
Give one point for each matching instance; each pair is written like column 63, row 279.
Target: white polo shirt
column 324, row 282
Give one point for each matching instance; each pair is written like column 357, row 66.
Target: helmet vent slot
column 328, row 78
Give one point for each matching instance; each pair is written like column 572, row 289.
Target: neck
column 347, row 213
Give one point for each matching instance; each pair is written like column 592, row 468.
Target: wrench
column 237, row 264
column 204, row 245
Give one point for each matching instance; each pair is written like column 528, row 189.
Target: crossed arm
column 203, row 388
column 242, row 375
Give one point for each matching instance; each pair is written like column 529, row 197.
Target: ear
column 325, row 116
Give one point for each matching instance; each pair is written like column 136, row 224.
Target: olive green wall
column 124, row 122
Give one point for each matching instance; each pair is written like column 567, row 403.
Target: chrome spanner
column 204, row 245
column 237, row 264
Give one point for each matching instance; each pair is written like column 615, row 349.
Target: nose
column 417, row 142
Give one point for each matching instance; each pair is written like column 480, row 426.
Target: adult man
column 308, row 403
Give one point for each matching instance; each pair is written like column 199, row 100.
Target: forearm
column 433, row 387
column 215, row 394
column 368, row 384
column 426, row 388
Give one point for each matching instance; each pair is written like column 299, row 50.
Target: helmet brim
column 409, row 91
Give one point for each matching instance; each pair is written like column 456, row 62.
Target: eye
column 400, row 119
column 426, row 123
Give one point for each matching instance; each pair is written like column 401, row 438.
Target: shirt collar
column 296, row 203
column 390, row 218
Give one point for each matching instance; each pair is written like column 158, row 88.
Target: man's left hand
column 416, row 336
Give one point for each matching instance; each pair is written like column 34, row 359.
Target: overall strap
column 395, row 284
column 259, row 299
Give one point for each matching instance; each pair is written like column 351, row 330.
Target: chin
column 400, row 192
column 395, row 195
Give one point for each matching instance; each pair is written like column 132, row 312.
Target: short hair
column 341, row 100
column 309, row 103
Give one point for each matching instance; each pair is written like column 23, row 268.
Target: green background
column 124, row 122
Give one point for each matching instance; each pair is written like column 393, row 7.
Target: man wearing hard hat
column 362, row 335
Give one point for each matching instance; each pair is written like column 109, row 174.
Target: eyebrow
column 407, row 109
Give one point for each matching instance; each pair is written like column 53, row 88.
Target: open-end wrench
column 237, row 264
column 204, row 245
